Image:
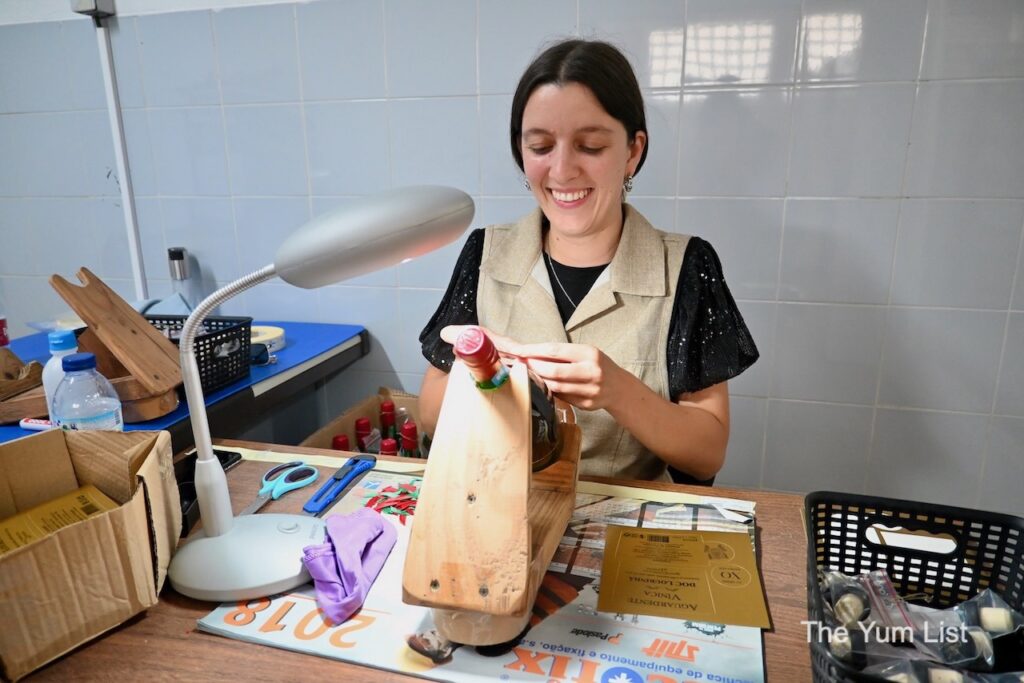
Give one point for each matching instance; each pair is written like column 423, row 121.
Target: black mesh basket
column 988, row 553
column 222, row 351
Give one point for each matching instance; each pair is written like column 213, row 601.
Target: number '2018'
column 311, row 626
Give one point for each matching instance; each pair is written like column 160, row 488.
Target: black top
column 708, row 341
column 570, row 281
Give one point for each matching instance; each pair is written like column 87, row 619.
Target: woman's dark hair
column 595, row 64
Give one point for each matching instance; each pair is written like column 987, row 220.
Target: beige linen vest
column 626, row 314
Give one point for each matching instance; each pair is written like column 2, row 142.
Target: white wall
column 33, row 11
column 858, row 164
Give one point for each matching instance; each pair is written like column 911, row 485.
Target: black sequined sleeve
column 708, row 342
column 458, row 306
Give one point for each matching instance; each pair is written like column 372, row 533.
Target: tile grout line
column 983, row 469
column 227, row 154
column 302, row 112
column 892, row 263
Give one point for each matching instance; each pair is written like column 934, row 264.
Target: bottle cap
column 387, row 406
column 78, row 361
column 62, row 340
column 388, row 447
column 362, row 426
column 409, row 435
column 4, row 341
column 475, row 348
column 340, row 442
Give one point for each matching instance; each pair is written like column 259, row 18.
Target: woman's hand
column 577, row 373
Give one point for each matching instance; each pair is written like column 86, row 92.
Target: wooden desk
column 165, row 643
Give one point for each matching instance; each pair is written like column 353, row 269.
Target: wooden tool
column 485, row 528
column 16, row 376
column 32, row 403
column 138, row 360
column 151, row 358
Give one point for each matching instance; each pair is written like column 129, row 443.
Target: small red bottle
column 362, row 432
column 410, row 441
column 387, row 420
column 477, row 351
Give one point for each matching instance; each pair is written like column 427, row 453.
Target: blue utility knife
column 335, row 487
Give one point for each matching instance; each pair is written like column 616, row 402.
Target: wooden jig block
column 485, row 528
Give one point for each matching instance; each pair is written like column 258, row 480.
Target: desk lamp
column 240, row 558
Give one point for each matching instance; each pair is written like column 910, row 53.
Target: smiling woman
column 633, row 326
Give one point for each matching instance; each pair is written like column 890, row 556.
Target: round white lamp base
column 260, row 555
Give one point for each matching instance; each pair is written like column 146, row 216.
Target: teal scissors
column 281, row 479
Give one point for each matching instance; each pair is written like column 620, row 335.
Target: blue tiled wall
column 858, row 164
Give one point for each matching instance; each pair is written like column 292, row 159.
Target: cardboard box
column 86, row 578
column 368, row 407
column 38, row 522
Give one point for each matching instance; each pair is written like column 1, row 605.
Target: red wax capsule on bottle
column 340, row 442
column 388, row 447
column 477, row 351
column 387, row 420
column 362, row 431
column 410, row 441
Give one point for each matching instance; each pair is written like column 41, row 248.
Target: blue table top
column 305, row 341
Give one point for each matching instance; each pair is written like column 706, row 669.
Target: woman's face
column 576, row 156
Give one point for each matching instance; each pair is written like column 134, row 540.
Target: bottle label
column 110, row 420
column 496, row 381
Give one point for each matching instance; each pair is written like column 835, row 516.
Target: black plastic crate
column 988, row 553
column 222, row 352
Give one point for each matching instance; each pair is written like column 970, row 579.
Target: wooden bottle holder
column 138, row 360
column 486, row 528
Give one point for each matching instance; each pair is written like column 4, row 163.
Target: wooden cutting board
column 151, row 358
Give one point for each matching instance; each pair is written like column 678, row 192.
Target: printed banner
column 569, row 640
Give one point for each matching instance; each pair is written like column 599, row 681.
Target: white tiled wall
column 859, row 165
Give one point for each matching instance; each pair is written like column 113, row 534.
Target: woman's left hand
column 578, row 373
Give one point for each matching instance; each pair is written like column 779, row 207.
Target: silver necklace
column 559, row 282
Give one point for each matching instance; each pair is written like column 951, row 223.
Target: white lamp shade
column 372, row 233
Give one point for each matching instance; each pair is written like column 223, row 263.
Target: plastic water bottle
column 62, row 343
column 84, row 398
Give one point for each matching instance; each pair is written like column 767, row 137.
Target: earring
column 526, row 183
column 627, row 185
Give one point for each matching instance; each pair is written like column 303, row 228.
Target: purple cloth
column 346, row 565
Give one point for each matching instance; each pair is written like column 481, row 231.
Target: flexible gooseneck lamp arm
column 240, row 558
column 211, row 484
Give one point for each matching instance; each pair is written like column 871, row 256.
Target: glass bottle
column 480, row 355
column 477, row 351
column 410, row 441
column 362, row 432
column 387, row 420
